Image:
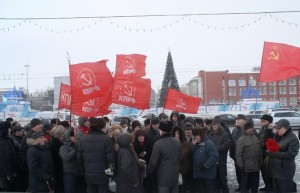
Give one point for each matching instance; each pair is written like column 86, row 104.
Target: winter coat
column 165, row 160
column 205, row 153
column 222, row 141
column 40, row 167
column 248, row 153
column 283, row 162
column 129, row 171
column 185, row 162
column 95, row 152
column 138, row 148
column 263, row 135
column 152, row 136
column 8, row 160
column 68, row 155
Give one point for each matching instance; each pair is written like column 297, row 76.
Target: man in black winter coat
column 95, row 153
column 7, row 159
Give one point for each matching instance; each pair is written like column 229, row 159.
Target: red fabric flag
column 131, row 65
column 181, row 102
column 279, row 62
column 93, row 107
column 64, row 100
column 90, row 80
column 132, row 92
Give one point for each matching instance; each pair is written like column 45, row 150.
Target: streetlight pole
column 27, row 66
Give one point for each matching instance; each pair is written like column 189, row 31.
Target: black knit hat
column 34, row 122
column 166, row 126
column 155, row 120
column 266, row 117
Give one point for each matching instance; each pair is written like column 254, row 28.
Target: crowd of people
column 165, row 154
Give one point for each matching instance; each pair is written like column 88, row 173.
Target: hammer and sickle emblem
column 128, row 90
column 91, row 102
column 87, row 79
column 181, row 102
column 274, row 55
column 128, row 62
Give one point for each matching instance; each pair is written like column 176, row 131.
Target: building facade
column 219, row 87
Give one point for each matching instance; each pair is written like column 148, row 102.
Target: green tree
column 169, row 81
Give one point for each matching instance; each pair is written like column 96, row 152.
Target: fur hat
column 37, row 134
column 216, row 121
column 198, row 131
column 82, row 120
column 166, row 126
column 267, row 117
column 34, row 122
column 4, row 126
column 140, row 132
column 188, row 126
column 97, row 123
column 155, row 120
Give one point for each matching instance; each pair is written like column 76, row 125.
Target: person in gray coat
column 165, row 160
column 249, row 159
column 95, row 153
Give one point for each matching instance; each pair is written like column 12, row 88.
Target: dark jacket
column 152, row 136
column 248, row 153
column 68, row 155
column 129, row 175
column 222, row 141
column 138, row 148
column 95, row 152
column 263, row 135
column 205, row 153
column 165, row 160
column 185, row 161
column 40, row 167
column 283, row 162
column 8, row 160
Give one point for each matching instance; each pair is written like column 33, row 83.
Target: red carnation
column 272, row 145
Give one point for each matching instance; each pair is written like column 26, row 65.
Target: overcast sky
column 194, row 46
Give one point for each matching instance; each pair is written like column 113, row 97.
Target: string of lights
column 183, row 18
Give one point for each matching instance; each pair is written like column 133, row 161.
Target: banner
column 90, row 80
column 131, row 65
column 279, row 62
column 132, row 92
column 65, row 99
column 181, row 102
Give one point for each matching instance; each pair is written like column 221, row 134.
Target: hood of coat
column 124, row 140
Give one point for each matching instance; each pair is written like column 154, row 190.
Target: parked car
column 117, row 120
column 292, row 116
column 228, row 119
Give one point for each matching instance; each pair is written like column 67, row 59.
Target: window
column 282, row 82
column 292, row 81
column 263, row 90
column 272, row 90
column 272, row 83
column 231, row 83
column 293, row 90
column 282, row 90
column 283, row 101
column 232, row 101
column 293, row 101
column 232, row 92
column 252, row 82
column 262, row 84
column 242, row 82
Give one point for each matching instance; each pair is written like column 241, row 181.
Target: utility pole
column 27, row 66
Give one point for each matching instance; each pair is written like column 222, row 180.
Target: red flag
column 64, row 100
column 90, row 80
column 181, row 102
column 93, row 107
column 132, row 92
column 131, row 65
column 279, row 62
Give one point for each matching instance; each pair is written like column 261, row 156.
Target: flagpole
column 69, row 62
column 166, row 99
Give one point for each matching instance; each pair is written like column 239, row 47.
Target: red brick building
column 216, row 87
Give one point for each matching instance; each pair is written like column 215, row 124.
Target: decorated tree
column 169, row 81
